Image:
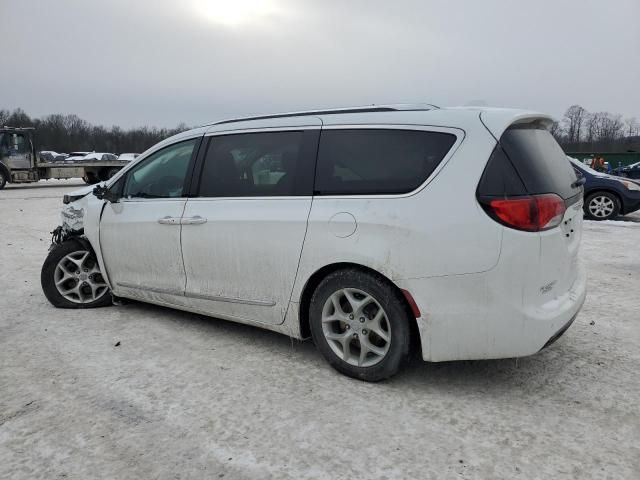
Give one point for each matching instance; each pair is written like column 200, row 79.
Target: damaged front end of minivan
column 72, row 218
column 71, row 275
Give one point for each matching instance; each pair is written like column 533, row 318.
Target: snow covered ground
column 184, row 396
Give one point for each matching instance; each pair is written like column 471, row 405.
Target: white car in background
column 372, row 230
column 99, row 157
column 74, row 156
column 129, row 157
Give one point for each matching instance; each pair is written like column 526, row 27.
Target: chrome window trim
column 459, row 133
column 148, row 200
column 150, row 151
column 262, row 198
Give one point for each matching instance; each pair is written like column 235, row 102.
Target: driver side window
column 161, row 175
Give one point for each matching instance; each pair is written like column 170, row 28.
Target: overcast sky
column 159, row 62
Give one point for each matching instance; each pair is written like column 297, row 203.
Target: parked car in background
column 630, row 171
column 73, row 156
column 607, row 196
column 49, row 156
column 128, row 156
column 330, row 225
column 101, row 157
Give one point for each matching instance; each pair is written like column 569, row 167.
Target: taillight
column 530, row 213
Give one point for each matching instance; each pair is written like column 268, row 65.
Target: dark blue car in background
column 631, row 171
column 607, row 196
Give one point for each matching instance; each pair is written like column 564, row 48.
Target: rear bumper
column 559, row 333
column 470, row 317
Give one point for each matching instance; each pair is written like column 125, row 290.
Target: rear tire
column 601, row 206
column 360, row 325
column 111, row 172
column 90, row 178
column 3, row 179
column 71, row 277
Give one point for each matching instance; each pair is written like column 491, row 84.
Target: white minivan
column 372, row 230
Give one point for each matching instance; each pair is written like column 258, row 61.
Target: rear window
column 539, row 161
column 377, row 161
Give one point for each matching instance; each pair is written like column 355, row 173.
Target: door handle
column 169, row 220
column 197, row 220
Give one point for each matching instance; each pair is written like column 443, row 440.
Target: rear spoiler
column 496, row 121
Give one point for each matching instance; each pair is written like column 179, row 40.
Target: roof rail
column 334, row 111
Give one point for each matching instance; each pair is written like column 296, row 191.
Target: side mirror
column 104, row 193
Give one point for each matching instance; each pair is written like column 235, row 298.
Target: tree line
column 578, row 131
column 584, row 131
column 68, row 133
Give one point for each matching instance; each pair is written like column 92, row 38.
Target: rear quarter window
column 377, row 161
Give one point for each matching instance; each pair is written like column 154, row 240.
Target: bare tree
column 632, row 127
column 65, row 133
column 573, row 120
column 593, row 127
column 612, row 127
column 557, row 131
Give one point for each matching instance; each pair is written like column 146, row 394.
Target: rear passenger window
column 255, row 165
column 378, row 161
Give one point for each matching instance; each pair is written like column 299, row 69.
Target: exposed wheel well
column 318, row 276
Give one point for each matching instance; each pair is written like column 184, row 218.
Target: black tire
column 3, row 178
column 111, row 172
column 106, row 173
column 397, row 321
column 90, row 178
column 593, row 213
column 48, row 277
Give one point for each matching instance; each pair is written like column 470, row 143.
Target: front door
column 242, row 235
column 140, row 234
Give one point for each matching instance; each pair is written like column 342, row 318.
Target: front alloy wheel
column 602, row 206
column 78, row 278
column 71, row 277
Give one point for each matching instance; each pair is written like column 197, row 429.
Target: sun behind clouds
column 234, row 13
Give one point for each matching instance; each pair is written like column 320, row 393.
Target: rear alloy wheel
column 361, row 337
column 360, row 325
column 71, row 278
column 602, row 206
